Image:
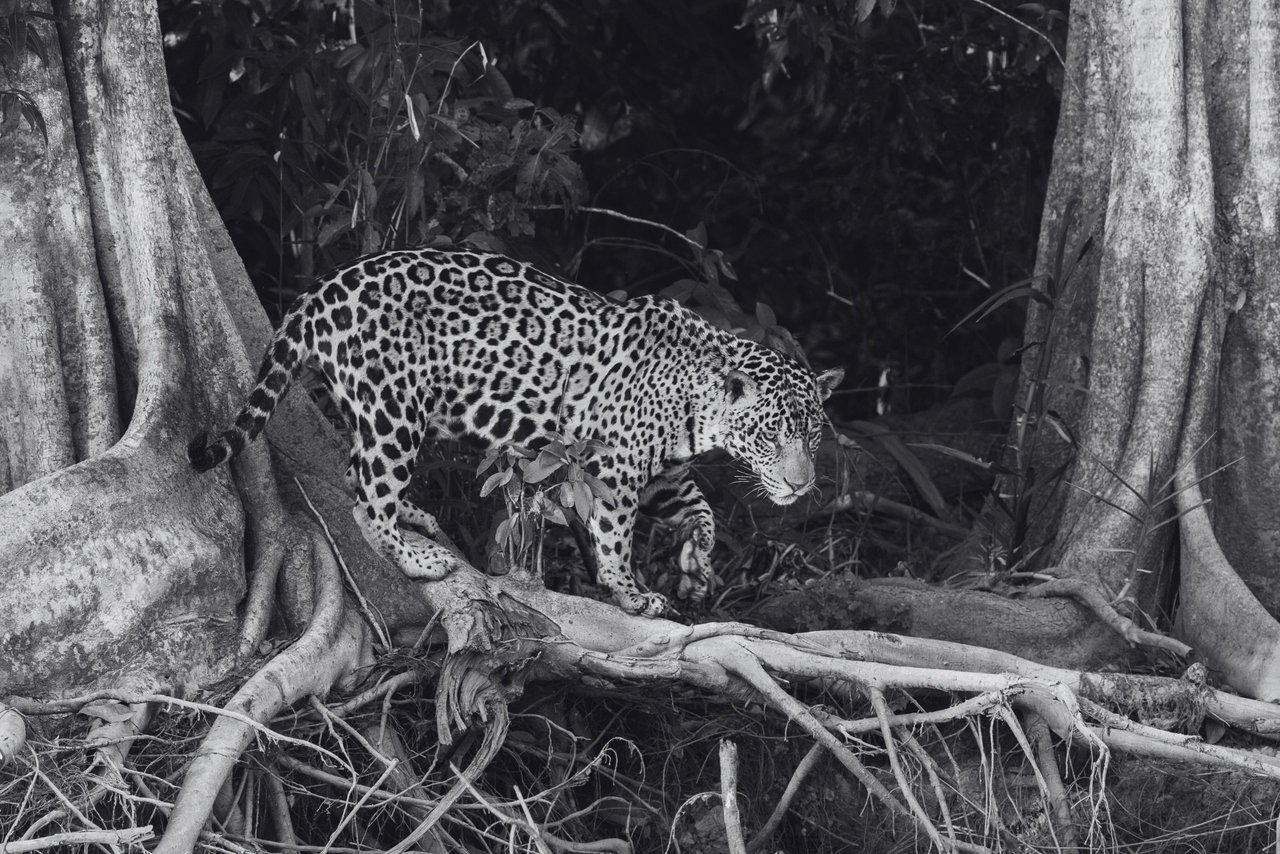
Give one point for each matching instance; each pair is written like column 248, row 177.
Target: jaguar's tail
column 283, row 361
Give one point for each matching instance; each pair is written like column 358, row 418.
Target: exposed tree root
column 1088, row 594
column 583, row 639
column 502, row 631
column 273, row 541
column 1219, row 615
column 730, row 656
column 1047, row 770
column 1057, row 631
column 565, row 636
column 333, row 645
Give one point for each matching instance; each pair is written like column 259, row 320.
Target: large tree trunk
column 106, row 260
column 1158, row 356
column 1145, row 444
column 125, row 319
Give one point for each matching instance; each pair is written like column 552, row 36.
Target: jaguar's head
column 773, row 419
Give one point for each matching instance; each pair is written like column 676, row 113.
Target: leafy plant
column 554, row 482
column 19, row 37
column 325, row 133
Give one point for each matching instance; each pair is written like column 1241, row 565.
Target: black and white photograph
column 639, row 427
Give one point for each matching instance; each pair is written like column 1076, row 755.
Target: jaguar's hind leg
column 410, row 514
column 380, row 507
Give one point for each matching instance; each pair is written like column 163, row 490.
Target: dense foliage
column 866, row 174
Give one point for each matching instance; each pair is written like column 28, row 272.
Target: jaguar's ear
column 740, row 389
column 827, row 381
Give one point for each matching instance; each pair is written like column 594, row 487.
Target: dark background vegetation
column 869, row 181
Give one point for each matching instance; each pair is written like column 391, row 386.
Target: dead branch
column 729, row 797
column 129, row 836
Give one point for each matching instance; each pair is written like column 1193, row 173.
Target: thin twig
column 1028, row 28
column 891, row 748
column 424, row 635
column 387, row 686
column 149, row 796
column 337, row 782
column 374, row 619
column 257, row 726
column 34, row 764
column 930, row 768
column 328, row 715
column 788, row 795
column 350, row 814
column 626, row 217
column 538, row 836
column 530, row 827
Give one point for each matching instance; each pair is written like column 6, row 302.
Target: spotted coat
column 428, row 343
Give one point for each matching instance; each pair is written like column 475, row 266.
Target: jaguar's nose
column 799, row 487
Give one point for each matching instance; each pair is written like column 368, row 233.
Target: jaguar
column 429, row 343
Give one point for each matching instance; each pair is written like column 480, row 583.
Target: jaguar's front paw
column 695, row 569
